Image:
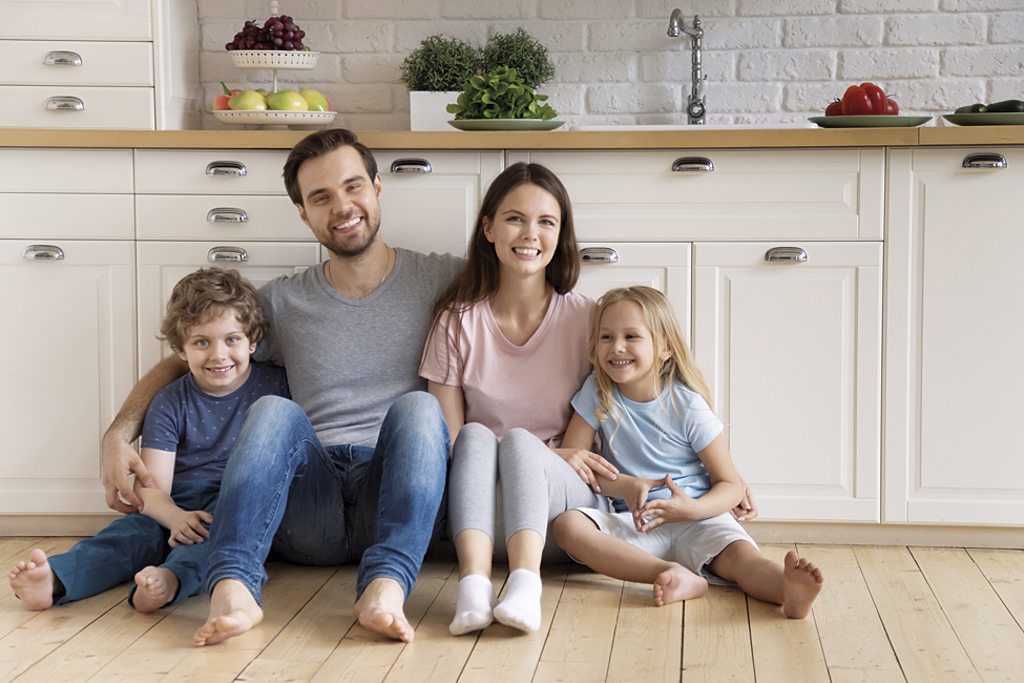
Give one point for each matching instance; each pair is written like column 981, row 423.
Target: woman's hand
column 588, row 465
column 188, row 528
column 679, row 508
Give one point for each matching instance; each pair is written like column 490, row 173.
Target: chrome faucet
column 696, row 105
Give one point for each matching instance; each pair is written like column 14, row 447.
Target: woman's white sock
column 521, row 606
column 474, row 605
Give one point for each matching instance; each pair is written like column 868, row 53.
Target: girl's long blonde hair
column 678, row 366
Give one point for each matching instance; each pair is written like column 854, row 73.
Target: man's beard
column 354, row 251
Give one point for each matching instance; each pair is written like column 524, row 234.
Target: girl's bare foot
column 32, row 581
column 380, row 610
column 802, row 582
column 233, row 611
column 156, row 587
column 678, row 583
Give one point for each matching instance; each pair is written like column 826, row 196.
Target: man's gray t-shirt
column 348, row 360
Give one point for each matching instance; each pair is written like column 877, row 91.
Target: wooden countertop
column 625, row 139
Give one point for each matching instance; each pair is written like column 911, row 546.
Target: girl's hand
column 746, row 510
column 188, row 528
column 588, row 465
column 678, row 508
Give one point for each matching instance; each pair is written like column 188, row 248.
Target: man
column 354, row 469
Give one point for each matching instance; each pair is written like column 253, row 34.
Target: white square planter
column 427, row 109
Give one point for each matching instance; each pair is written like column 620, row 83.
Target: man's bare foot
column 233, row 611
column 802, row 582
column 678, row 583
column 156, row 587
column 32, row 581
column 379, row 609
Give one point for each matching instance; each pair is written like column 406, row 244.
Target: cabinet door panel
column 69, row 367
column 86, row 19
column 161, row 265
column 130, row 108
column 793, row 357
column 31, row 62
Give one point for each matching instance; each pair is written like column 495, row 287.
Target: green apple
column 287, row 100
column 248, row 100
column 263, row 91
column 317, row 102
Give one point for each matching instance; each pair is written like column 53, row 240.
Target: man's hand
column 746, row 510
column 588, row 465
column 119, row 462
column 188, row 528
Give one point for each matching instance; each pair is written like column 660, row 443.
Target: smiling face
column 217, row 352
column 341, row 203
column 625, row 350
column 525, row 230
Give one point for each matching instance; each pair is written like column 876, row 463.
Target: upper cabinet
column 954, row 334
column 128, row 64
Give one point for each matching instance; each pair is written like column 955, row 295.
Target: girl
column 506, row 352
column 652, row 409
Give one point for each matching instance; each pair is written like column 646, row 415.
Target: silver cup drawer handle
column 64, row 103
column 411, row 166
column 43, row 252
column 785, row 255
column 62, row 58
column 227, row 255
column 226, row 215
column 594, row 255
column 235, row 168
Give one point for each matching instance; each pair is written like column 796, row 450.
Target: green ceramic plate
column 505, row 124
column 869, row 121
column 987, row 118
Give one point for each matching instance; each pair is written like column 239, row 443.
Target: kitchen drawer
column 65, row 170
column 218, row 218
column 684, row 195
column 118, row 108
column 91, row 20
column 37, row 62
column 192, row 171
column 67, row 216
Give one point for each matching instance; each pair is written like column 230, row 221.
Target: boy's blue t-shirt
column 201, row 429
column 654, row 438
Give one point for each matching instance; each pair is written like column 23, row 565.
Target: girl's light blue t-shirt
column 654, row 438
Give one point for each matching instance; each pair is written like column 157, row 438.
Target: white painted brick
column 811, row 97
column 593, row 9
column 775, row 118
column 371, row 69
column 675, row 67
column 409, row 34
column 363, row 122
column 787, row 65
column 733, row 98
column 733, row 34
column 223, row 9
column 978, row 5
column 784, row 8
column 937, row 95
column 654, row 9
column 300, row 11
column 365, row 99
column 583, row 67
column 217, row 66
column 935, row 29
column 609, row 99
column 392, row 9
column 565, row 99
column 485, row 9
column 833, row 32
column 859, row 65
column 638, row 36
column 560, row 36
column 886, row 6
column 1006, row 27
column 364, row 36
column 214, row 35
column 1006, row 89
column 983, row 61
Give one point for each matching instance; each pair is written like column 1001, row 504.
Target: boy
column 213, row 323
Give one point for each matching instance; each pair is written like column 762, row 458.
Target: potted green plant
column 501, row 93
column 435, row 73
column 520, row 51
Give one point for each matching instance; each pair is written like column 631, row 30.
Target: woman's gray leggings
column 534, row 486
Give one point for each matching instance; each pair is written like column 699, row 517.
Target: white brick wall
column 766, row 60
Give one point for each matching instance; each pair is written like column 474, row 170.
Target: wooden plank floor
column 888, row 613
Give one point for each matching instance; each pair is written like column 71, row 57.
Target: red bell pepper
column 857, row 102
column 891, row 107
column 876, row 95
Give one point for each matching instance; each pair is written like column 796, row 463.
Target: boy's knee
column 273, row 410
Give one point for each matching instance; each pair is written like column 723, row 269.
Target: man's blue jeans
column 130, row 543
column 319, row 505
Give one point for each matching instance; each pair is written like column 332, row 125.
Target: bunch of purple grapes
column 277, row 33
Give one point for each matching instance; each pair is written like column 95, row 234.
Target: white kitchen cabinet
column 131, row 64
column 792, row 352
column 954, row 334
column 69, row 355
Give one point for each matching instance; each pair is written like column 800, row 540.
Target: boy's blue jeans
column 319, row 505
column 132, row 542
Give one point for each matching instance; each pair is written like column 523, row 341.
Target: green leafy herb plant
column 440, row 63
column 522, row 52
column 501, row 93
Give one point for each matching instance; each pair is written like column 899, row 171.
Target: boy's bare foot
column 156, row 587
column 678, row 583
column 802, row 582
column 233, row 611
column 32, row 581
column 379, row 609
